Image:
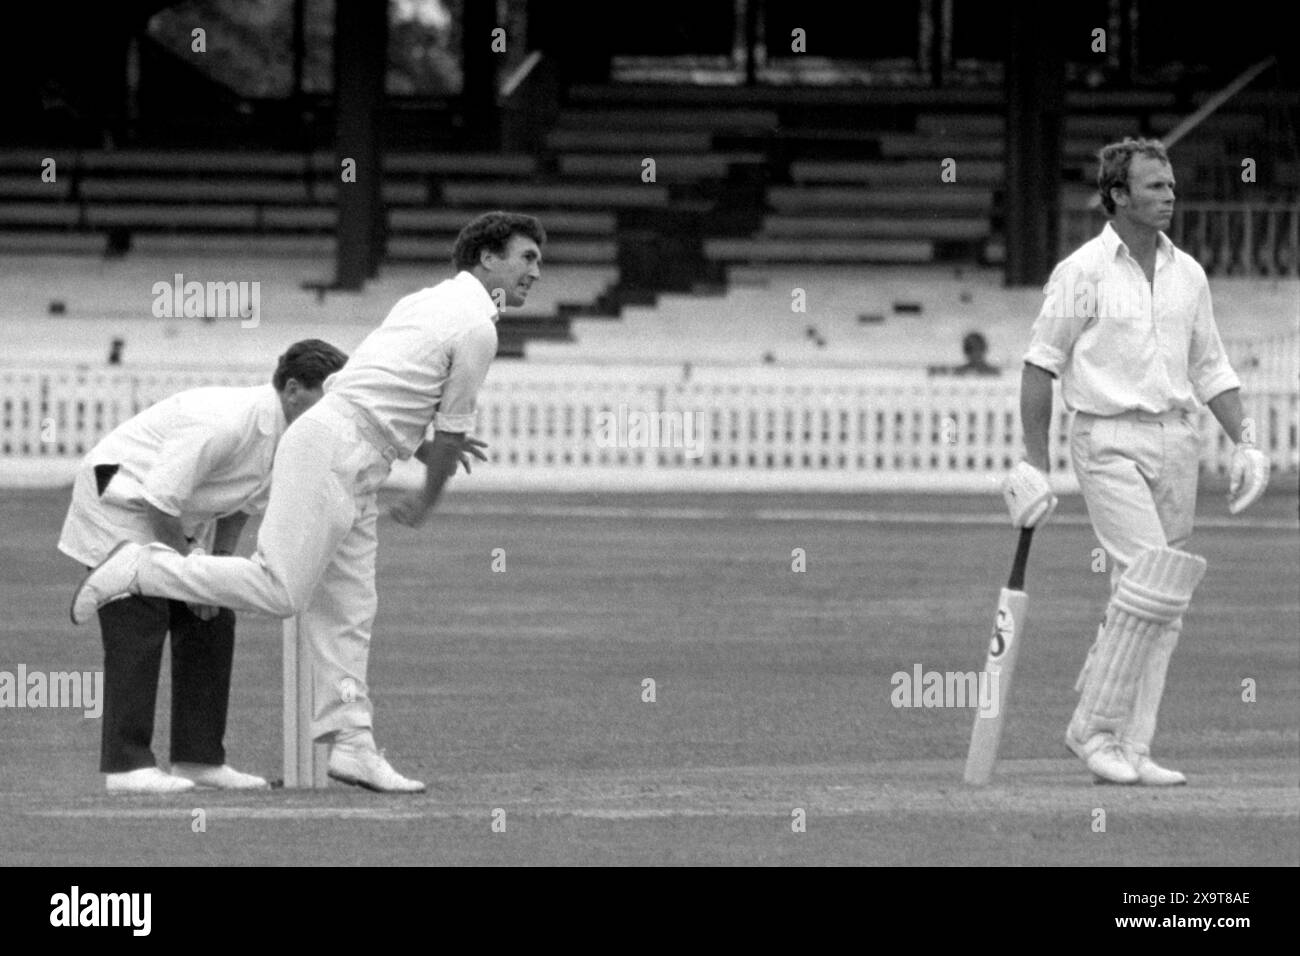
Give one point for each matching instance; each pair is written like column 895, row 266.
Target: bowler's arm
column 440, row 456
column 470, row 355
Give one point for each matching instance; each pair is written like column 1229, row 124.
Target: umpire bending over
column 1128, row 328
column 187, row 471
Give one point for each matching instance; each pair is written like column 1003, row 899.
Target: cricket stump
column 305, row 761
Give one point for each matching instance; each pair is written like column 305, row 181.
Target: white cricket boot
column 1150, row 773
column 356, row 760
column 146, row 780
column 114, row 578
column 1104, row 757
column 219, row 778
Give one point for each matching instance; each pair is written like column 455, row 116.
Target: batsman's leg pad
column 1137, row 734
column 1153, row 593
column 1092, row 654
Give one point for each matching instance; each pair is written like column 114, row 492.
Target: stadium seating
column 69, row 308
column 170, row 201
column 878, row 317
column 835, row 191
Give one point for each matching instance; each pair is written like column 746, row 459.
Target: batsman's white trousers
column 1138, row 474
column 315, row 555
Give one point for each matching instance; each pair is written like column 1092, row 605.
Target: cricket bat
column 999, row 668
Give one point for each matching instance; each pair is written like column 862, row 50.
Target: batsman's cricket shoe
column 1104, row 757
column 1151, row 774
column 111, row 580
column 220, row 778
column 364, row 766
column 146, row 780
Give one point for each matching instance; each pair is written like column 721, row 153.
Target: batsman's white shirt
column 198, row 456
column 1121, row 344
column 424, row 364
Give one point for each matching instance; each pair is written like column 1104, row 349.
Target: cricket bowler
column 188, row 472
column 315, row 558
column 1127, row 326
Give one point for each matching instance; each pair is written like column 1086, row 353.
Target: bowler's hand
column 410, row 510
column 471, row 446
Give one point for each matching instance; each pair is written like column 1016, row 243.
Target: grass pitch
column 522, row 691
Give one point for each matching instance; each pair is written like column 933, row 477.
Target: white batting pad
column 1153, row 593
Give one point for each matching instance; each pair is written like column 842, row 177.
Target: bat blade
column 999, row 668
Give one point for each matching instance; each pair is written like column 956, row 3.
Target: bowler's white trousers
column 315, row 555
column 1138, row 474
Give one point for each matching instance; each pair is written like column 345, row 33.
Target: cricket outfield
column 771, row 738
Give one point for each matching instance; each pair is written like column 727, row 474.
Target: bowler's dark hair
column 492, row 231
column 1113, row 162
column 308, row 362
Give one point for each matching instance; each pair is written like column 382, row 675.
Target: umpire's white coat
column 199, row 455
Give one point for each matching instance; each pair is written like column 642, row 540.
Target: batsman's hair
column 1113, row 162
column 492, row 231
column 309, row 363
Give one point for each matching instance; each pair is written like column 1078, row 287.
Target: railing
column 578, row 427
column 1256, row 239
column 1274, row 358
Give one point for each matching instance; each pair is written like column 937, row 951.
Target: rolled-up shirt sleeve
column 189, row 453
column 1208, row 367
column 1067, row 305
column 471, row 355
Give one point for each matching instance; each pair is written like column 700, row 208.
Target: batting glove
column 1248, row 477
column 1029, row 496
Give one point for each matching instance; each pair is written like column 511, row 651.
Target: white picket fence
column 586, row 428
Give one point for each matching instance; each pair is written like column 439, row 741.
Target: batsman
column 1127, row 326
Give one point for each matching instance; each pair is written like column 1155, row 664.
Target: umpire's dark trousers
column 134, row 630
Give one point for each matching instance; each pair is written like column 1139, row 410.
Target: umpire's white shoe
column 364, row 766
column 146, row 780
column 1151, row 774
column 220, row 778
column 1105, row 758
column 112, row 579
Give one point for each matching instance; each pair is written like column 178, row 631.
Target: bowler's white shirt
column 1120, row 344
column 199, row 455
column 425, row 363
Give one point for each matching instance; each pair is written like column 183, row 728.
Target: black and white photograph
column 726, row 433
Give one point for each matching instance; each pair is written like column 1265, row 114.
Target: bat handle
column 1017, row 580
